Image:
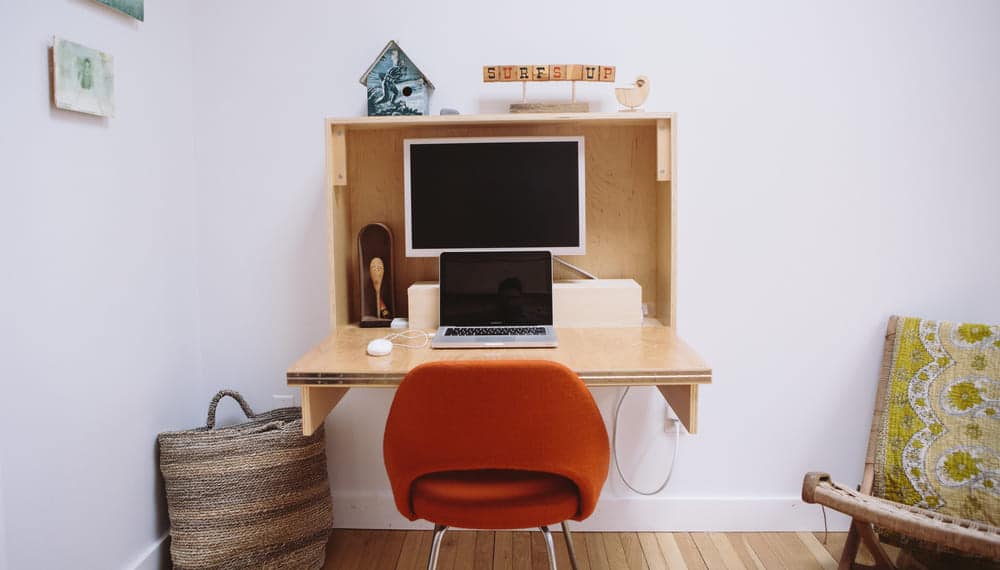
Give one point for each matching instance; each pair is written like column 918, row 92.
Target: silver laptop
column 495, row 299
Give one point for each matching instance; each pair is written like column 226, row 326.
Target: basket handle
column 215, row 403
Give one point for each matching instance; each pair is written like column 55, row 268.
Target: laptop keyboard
column 495, row 331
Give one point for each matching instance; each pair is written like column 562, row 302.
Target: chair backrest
column 935, row 438
column 501, row 414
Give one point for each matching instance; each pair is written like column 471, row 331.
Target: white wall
column 99, row 299
column 837, row 165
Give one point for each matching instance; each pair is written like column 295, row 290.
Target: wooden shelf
column 621, row 118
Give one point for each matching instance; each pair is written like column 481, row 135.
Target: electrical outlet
column 645, row 309
column 671, row 423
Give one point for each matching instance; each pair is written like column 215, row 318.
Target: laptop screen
column 496, row 288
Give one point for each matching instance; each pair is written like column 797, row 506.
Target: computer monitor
column 494, row 194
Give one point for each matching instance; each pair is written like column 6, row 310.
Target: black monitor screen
column 495, row 195
column 496, row 288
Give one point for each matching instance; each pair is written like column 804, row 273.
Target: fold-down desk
column 636, row 356
column 631, row 233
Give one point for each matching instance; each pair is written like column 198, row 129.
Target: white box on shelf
column 580, row 303
column 424, row 298
column 577, row 303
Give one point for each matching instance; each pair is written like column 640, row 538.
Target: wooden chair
column 932, row 470
column 495, row 445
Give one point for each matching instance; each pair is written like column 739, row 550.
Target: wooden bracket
column 683, row 399
column 317, row 402
column 663, row 150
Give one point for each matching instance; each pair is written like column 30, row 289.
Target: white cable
column 579, row 270
column 408, row 335
column 826, row 529
column 614, row 449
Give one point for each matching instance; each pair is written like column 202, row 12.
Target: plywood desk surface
column 628, row 356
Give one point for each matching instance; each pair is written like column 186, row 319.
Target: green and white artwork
column 83, row 78
column 133, row 8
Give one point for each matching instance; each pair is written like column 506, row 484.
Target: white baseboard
column 155, row 557
column 695, row 514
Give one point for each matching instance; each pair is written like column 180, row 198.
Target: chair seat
column 494, row 498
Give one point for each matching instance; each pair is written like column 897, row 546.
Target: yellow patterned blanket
column 938, row 440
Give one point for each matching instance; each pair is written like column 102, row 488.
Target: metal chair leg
column 569, row 546
column 436, row 546
column 549, row 546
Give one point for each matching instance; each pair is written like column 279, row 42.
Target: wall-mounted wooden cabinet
column 630, row 185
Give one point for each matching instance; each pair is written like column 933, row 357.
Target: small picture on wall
column 133, row 8
column 83, row 79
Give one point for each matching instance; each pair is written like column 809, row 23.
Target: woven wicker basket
column 253, row 495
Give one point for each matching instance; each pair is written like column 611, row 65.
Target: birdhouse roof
column 393, row 45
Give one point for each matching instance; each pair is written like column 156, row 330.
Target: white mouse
column 379, row 347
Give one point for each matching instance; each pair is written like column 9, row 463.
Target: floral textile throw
column 938, row 439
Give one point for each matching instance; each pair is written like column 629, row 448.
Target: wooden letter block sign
column 549, row 72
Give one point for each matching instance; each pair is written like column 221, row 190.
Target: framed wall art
column 83, row 78
column 134, row 8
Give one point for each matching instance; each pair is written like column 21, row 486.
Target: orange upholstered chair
column 497, row 444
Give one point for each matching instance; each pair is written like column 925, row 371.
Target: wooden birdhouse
column 395, row 85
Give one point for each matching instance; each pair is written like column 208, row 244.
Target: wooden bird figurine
column 633, row 97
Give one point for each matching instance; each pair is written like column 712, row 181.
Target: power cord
column 579, row 270
column 826, row 529
column 409, row 335
column 614, row 448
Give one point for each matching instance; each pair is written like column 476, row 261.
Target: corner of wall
column 196, row 232
column 3, row 527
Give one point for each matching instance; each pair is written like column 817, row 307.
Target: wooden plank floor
column 503, row 550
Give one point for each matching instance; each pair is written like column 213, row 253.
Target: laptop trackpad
column 494, row 341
